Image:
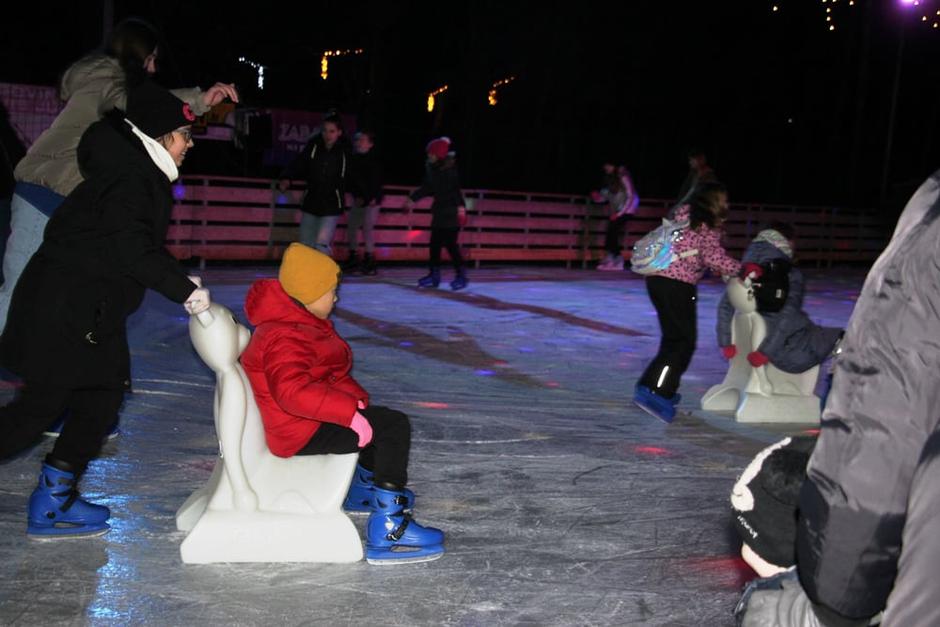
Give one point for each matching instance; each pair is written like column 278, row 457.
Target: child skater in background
column 794, row 343
column 448, row 212
column 673, row 293
column 299, row 369
column 623, row 201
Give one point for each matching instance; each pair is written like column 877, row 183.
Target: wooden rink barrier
column 248, row 219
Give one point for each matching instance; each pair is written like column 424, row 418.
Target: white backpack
column 654, row 252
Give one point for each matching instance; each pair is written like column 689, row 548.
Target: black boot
column 369, row 267
column 351, row 264
column 460, row 281
column 431, row 279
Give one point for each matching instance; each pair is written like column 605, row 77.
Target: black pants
column 614, row 239
column 445, row 238
column 36, row 408
column 386, row 456
column 675, row 303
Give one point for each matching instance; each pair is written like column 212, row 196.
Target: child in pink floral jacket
column 673, row 293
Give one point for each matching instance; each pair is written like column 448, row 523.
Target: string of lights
column 491, row 98
column 929, row 10
column 325, row 62
column 433, row 95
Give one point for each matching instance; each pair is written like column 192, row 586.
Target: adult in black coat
column 324, row 164
column 66, row 332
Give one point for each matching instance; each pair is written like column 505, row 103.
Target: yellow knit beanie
column 307, row 274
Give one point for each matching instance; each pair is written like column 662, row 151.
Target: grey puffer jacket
column 794, row 343
column 91, row 87
column 869, row 507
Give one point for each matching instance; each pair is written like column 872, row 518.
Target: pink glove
column 728, row 352
column 197, row 302
column 361, row 404
column 758, row 359
column 362, row 428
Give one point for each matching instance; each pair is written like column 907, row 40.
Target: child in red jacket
column 299, row 369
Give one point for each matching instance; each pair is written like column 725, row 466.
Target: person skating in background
column 66, row 335
column 324, row 165
column 673, row 293
column 365, row 187
column 622, row 200
column 91, row 87
column 300, row 373
column 448, row 212
column 700, row 173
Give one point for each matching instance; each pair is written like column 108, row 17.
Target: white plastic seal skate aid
column 257, row 507
column 764, row 394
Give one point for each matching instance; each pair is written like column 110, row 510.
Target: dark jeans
column 36, row 408
column 386, row 456
column 614, row 239
column 675, row 303
column 445, row 238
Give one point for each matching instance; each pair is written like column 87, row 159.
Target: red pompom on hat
column 439, row 147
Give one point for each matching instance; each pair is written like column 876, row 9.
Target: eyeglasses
column 186, row 133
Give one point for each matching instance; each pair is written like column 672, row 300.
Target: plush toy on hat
column 307, row 274
column 765, row 503
column 439, row 148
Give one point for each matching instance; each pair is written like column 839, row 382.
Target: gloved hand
column 751, row 271
column 197, row 302
column 361, row 404
column 362, row 428
column 757, row 359
column 728, row 352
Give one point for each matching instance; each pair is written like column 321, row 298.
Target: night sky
column 787, row 110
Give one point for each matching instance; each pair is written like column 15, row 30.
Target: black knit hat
column 765, row 499
column 155, row 111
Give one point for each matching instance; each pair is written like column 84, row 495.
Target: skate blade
column 652, row 412
column 407, row 557
column 66, row 534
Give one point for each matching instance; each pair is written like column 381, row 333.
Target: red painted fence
column 225, row 218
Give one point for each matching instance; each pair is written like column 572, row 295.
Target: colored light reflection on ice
column 432, row 405
column 484, row 373
column 654, row 451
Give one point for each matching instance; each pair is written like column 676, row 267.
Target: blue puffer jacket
column 794, row 343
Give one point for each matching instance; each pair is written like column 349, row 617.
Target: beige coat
column 91, row 87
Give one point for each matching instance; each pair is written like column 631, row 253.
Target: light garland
column 258, row 67
column 433, row 95
column 325, row 63
column 491, row 97
column 924, row 7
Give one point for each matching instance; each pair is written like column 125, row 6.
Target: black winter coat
column 365, row 180
column 102, row 248
column 441, row 182
column 325, row 172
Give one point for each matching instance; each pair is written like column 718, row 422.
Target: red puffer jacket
column 298, row 368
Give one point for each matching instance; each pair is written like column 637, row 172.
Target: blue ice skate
column 57, row 511
column 460, row 281
column 393, row 537
column 359, row 498
column 431, row 279
column 654, row 404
